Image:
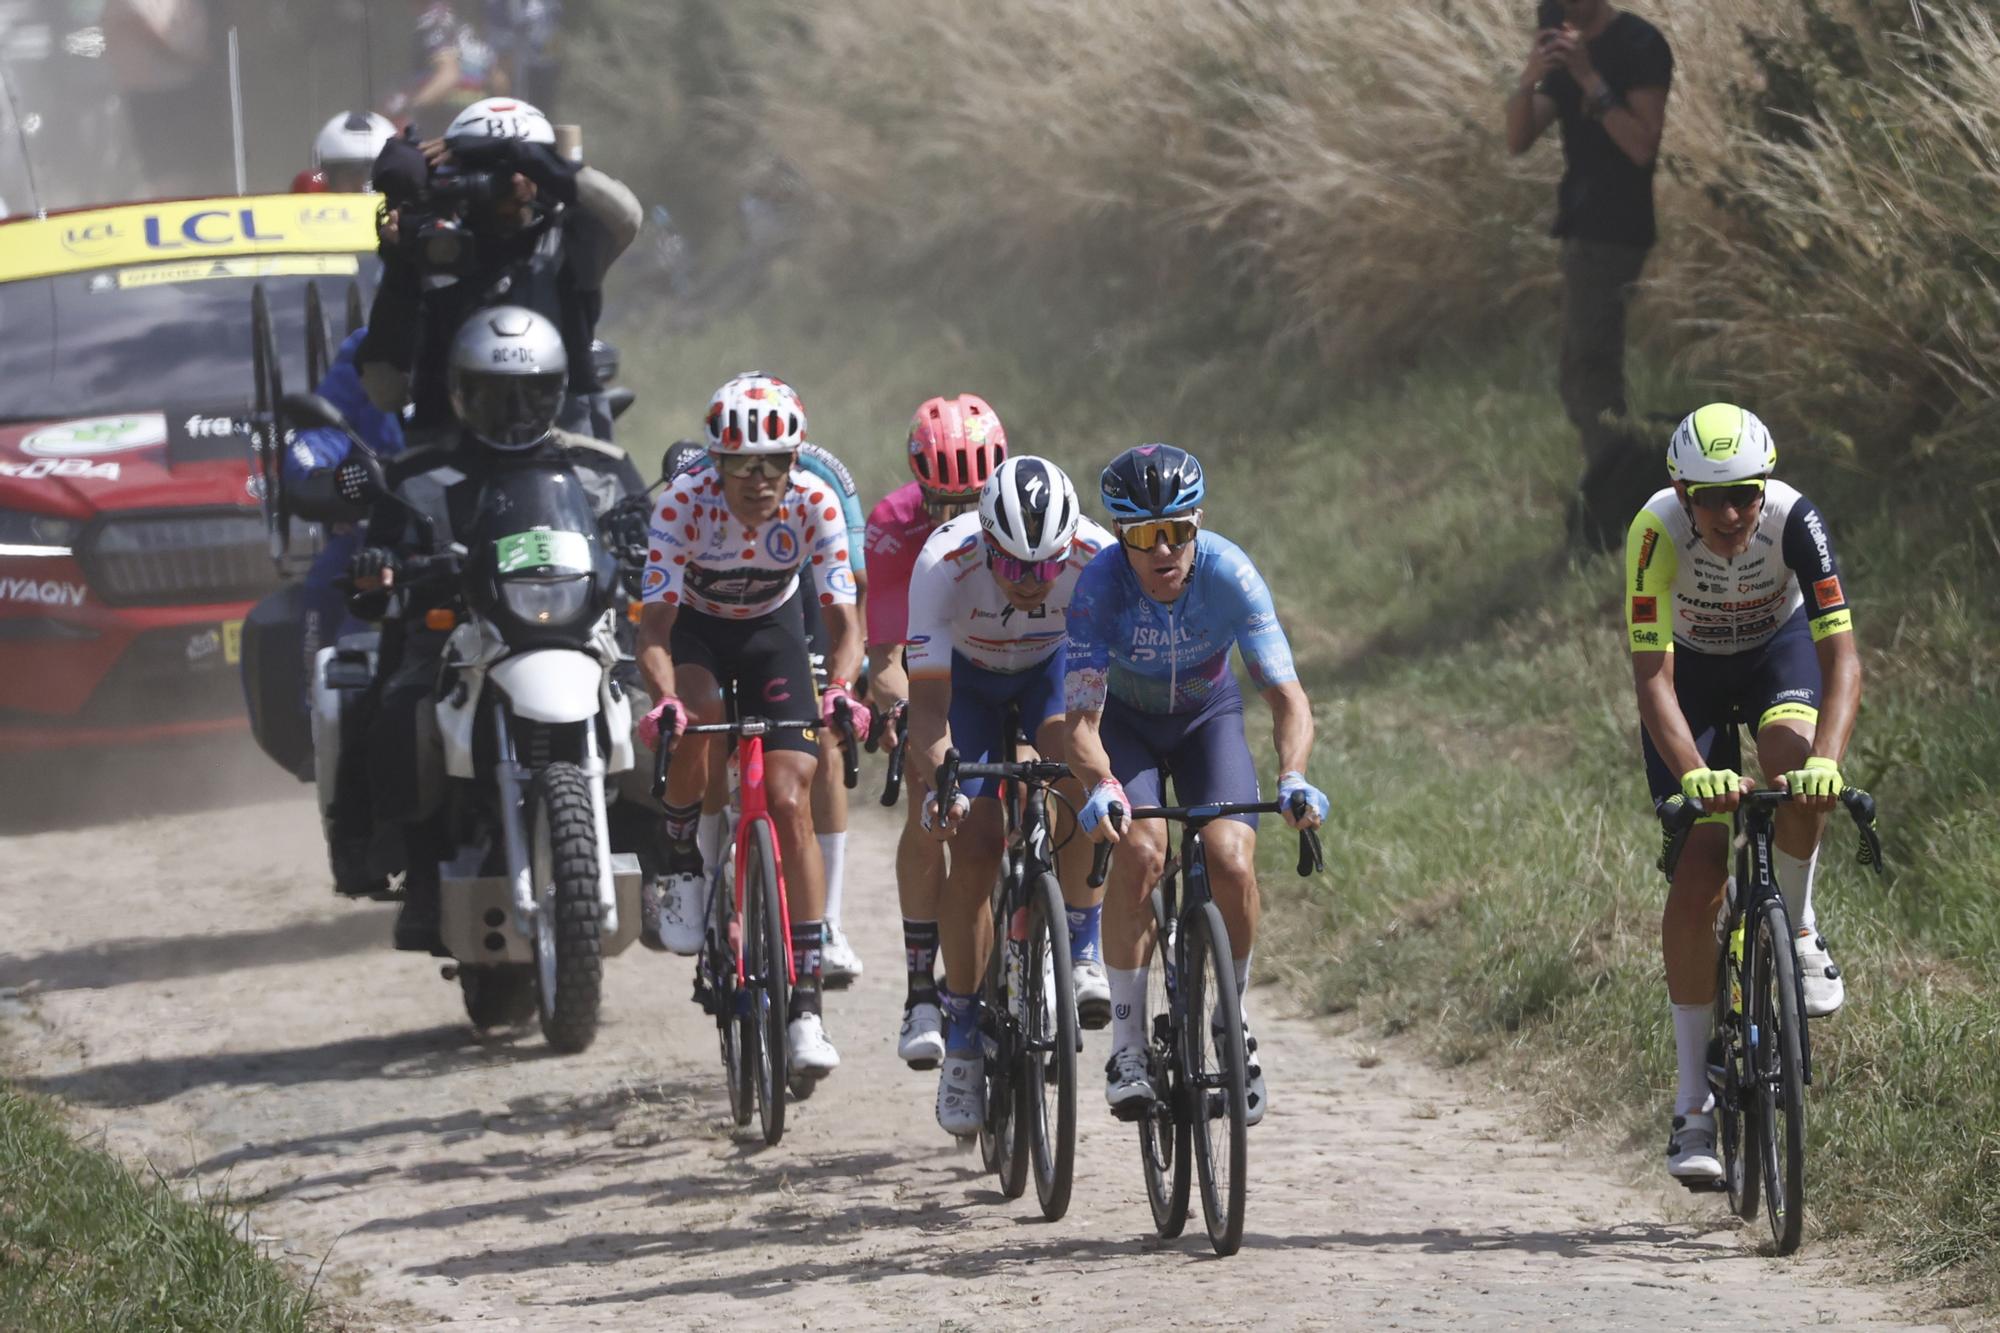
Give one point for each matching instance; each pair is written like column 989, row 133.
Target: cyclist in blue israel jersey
column 829, row 794
column 1148, row 692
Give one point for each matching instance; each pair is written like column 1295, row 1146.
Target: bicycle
column 1028, row 1016
column 1760, row 1061
column 746, row 970
column 892, row 780
column 1196, row 1085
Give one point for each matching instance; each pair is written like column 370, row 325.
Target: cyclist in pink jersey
column 955, row 445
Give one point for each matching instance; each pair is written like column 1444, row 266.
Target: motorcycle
column 530, row 717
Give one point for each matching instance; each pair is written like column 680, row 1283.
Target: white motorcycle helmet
column 755, row 413
column 507, row 374
column 1029, row 509
column 1719, row 445
column 351, row 142
column 497, row 118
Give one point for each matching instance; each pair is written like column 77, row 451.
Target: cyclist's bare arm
column 1660, row 714
column 843, row 648
column 1291, row 725
column 1840, row 694
column 656, row 625
column 1084, row 747
column 930, row 725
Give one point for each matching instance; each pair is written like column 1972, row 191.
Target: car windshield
column 83, row 344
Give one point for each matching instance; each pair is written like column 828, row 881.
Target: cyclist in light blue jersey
column 1148, row 693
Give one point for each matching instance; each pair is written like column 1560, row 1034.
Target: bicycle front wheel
column 1213, row 1067
column 1046, row 1075
column 1778, row 1031
column 736, row 1016
column 1164, row 1133
column 1730, row 1080
column 1003, row 1138
column 769, row 981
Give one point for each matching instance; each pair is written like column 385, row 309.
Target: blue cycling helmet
column 1151, row 481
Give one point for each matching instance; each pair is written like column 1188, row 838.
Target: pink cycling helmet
column 955, row 445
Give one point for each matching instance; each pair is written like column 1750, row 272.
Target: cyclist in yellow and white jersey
column 1735, row 614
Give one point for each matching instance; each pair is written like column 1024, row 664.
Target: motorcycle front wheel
column 569, row 961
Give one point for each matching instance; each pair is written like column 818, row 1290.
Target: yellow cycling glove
column 1705, row 784
column 1820, row 777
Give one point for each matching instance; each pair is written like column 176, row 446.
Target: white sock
column 711, row 835
column 1795, row 882
column 1691, row 1046
column 833, row 851
column 1242, row 967
column 1128, row 1006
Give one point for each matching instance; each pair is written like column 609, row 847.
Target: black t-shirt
column 1605, row 195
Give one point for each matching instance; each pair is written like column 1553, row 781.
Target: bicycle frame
column 753, row 808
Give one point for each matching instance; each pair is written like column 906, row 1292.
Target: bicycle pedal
column 1702, row 1185
column 1133, row 1112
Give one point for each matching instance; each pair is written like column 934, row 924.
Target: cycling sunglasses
column 1727, row 495
column 1013, row 570
column 768, row 466
column 1150, row 532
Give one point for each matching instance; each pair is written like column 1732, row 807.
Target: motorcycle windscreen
column 536, row 553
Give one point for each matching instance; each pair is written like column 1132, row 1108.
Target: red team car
column 131, row 537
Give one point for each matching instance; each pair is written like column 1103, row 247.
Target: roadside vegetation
column 84, row 1244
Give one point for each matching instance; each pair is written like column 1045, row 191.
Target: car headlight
column 547, row 601
column 36, row 534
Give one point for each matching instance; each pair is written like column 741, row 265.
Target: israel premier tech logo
column 96, row 437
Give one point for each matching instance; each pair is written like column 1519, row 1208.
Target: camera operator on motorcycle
column 506, row 377
column 490, row 214
column 344, row 153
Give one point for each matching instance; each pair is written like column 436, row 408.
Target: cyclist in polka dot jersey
column 737, row 545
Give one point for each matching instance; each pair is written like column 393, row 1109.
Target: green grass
column 1491, row 887
column 86, row 1245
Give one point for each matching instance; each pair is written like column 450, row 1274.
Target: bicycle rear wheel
column 770, row 985
column 1046, row 1075
column 1729, row 1081
column 1003, row 1138
column 1777, row 1021
column 1164, row 1149
column 1212, row 1052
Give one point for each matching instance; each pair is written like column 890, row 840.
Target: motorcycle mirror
column 620, row 401
column 360, row 479
column 605, row 358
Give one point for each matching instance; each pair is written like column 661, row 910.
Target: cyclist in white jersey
column 987, row 627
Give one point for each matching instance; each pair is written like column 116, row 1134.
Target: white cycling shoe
column 1691, row 1155
column 683, row 913
column 811, row 1050
column 961, row 1096
column 840, row 965
column 920, row 1044
column 1128, row 1085
column 1093, row 994
column 1255, row 1098
column 1819, row 975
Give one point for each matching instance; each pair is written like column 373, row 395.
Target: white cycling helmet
column 756, row 413
column 500, row 118
column 1720, row 444
column 352, row 137
column 1029, row 509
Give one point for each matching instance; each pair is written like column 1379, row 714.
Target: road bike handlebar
column 663, row 753
column 1679, row 814
column 1043, row 771
column 1312, row 858
column 892, row 782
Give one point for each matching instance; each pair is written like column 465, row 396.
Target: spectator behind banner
column 1604, row 75
column 523, row 34
column 451, row 68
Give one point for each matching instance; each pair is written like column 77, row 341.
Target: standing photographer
column 491, row 214
column 1604, row 74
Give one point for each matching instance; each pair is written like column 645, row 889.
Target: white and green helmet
column 1720, row 444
